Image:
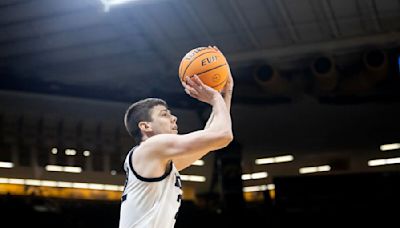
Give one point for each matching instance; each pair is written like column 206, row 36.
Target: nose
column 174, row 118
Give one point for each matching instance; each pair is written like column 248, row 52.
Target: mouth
column 175, row 128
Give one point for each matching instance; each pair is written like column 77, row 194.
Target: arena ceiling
column 133, row 50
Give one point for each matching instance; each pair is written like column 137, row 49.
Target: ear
column 144, row 126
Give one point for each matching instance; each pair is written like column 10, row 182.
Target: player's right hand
column 195, row 88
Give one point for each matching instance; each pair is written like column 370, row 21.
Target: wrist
column 227, row 92
column 216, row 98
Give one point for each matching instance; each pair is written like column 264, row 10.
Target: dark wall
column 358, row 198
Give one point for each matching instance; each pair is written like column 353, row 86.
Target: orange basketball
column 208, row 64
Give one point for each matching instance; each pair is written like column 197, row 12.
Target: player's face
column 163, row 121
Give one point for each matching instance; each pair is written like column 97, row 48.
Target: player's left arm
column 184, row 162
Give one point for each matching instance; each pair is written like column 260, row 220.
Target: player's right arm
column 182, row 163
column 216, row 136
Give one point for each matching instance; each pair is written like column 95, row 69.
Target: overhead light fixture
column 6, row 164
column 193, row 178
column 279, row 159
column 198, row 163
column 257, row 188
column 314, row 169
column 376, row 65
column 393, row 146
column 70, row 152
column 254, row 176
column 68, row 169
column 71, row 169
column 14, row 181
column 108, row 3
column 270, row 80
column 47, row 183
column 54, row 150
column 387, row 161
column 325, row 74
column 375, row 70
column 32, row 182
column 62, row 184
column 285, row 158
column 86, row 153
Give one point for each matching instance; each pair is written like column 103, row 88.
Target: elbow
column 221, row 139
column 227, row 138
column 230, row 137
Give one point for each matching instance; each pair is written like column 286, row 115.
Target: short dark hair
column 140, row 111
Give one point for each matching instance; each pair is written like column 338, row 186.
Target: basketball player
column 152, row 193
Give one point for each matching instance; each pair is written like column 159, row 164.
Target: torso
column 150, row 201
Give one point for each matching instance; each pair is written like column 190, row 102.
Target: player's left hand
column 228, row 88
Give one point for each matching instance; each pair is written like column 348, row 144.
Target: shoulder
column 160, row 139
column 147, row 159
column 157, row 143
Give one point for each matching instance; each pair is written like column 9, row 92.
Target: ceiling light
column 6, row 164
column 198, row 163
column 108, row 3
column 393, row 146
column 86, row 153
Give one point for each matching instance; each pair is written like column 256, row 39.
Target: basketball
column 208, row 63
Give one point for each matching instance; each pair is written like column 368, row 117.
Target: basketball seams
column 211, row 69
column 220, row 83
column 194, row 60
